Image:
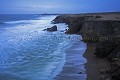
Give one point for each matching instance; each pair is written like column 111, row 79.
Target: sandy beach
column 74, row 68
column 93, row 65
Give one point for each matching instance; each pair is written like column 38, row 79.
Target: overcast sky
column 58, row 6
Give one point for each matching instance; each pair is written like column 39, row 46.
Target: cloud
column 58, row 6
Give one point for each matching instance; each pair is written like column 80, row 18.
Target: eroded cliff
column 104, row 29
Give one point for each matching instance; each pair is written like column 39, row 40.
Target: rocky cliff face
column 92, row 28
column 102, row 29
column 75, row 23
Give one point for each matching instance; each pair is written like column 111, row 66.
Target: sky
column 58, row 6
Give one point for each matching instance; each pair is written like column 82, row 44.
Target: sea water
column 29, row 53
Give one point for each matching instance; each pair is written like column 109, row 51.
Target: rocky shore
column 103, row 29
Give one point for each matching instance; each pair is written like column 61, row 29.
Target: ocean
column 29, row 53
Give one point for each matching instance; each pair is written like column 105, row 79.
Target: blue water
column 29, row 53
column 16, row 17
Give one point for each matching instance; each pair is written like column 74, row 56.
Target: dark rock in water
column 54, row 28
column 80, row 73
column 98, row 16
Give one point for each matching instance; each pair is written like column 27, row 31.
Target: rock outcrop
column 54, row 28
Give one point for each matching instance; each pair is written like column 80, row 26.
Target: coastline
column 101, row 32
column 73, row 68
column 94, row 64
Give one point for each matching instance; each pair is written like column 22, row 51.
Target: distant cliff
column 104, row 29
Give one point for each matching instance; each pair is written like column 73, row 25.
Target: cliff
column 101, row 28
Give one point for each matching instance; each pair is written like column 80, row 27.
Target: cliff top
column 113, row 16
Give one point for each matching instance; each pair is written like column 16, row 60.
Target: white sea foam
column 24, row 51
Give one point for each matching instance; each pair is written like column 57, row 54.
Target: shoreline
column 94, row 64
column 74, row 68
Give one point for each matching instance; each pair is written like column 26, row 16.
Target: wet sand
column 94, row 64
column 74, row 68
